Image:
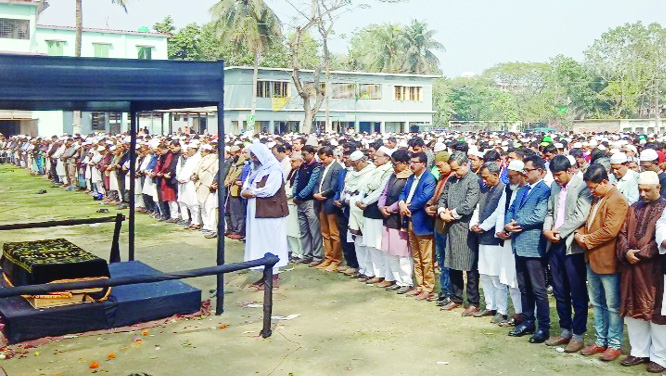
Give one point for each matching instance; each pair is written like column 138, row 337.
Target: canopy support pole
column 132, row 172
column 219, row 307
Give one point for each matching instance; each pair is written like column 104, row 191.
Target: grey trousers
column 308, row 222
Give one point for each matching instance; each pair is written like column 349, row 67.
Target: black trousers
column 569, row 276
column 531, row 275
column 458, row 285
column 348, row 250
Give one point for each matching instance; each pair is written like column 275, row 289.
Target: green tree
column 248, row 24
column 166, row 26
column 420, row 47
column 630, row 61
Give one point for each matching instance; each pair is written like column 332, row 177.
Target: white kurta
column 188, row 193
column 507, row 260
column 490, row 256
column 264, row 235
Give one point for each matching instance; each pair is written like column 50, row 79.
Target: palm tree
column 388, row 40
column 247, row 24
column 421, row 44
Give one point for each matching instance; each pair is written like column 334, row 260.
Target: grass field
column 343, row 327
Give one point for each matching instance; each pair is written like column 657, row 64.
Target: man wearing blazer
column 568, row 206
column 419, row 189
column 524, row 223
column 328, row 220
column 597, row 237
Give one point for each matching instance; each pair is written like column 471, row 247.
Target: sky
column 477, row 34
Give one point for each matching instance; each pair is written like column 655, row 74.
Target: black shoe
column 540, row 336
column 442, row 302
column 521, row 330
column 394, row 287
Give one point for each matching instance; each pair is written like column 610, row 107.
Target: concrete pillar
column 405, row 127
column 382, row 127
column 357, row 126
column 271, row 127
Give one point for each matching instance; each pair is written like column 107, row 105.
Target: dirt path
column 342, row 327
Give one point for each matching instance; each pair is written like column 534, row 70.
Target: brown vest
column 274, row 206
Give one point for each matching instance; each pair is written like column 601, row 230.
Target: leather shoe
column 374, row 280
column 442, row 302
column 350, row 271
column 404, row 290
column 314, row 263
column 394, row 287
column 610, row 354
column 414, row 292
column 384, row 284
column 364, row 278
column 631, row 361
column 424, row 295
column 484, row 312
column 574, row 346
column 450, row 306
column 593, row 349
column 356, row 275
column 521, row 330
column 331, row 268
column 558, row 341
column 470, row 311
column 653, row 367
column 540, row 336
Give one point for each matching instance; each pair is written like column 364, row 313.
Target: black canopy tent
column 39, row 83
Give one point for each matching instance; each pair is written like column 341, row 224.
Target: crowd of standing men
column 511, row 214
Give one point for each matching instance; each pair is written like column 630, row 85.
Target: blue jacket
column 425, row 189
column 530, row 216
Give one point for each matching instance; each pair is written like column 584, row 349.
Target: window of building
column 343, row 91
column 272, row 89
column 14, row 29
column 102, row 49
column 280, row 89
column 408, row 93
column 369, row 92
column 98, row 122
column 144, row 52
column 55, row 47
column 263, row 89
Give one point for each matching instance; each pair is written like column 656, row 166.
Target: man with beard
column 642, row 281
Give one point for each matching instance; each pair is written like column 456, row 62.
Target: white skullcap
column 101, row 148
column 517, row 165
column 632, row 148
column 593, row 143
column 270, row 144
column 648, row 178
column 618, row 158
column 386, row 150
column 334, row 142
column 559, row 145
column 439, row 147
column 601, row 147
column 649, row 155
column 572, row 160
column 207, row 147
column 356, row 156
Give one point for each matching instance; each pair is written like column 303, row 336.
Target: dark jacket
column 307, row 180
column 329, row 187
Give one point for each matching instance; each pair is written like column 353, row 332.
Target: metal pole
column 219, row 300
column 268, row 301
column 132, row 173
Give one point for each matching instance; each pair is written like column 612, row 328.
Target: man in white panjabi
column 265, row 233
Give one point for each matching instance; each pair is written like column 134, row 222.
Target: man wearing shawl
column 642, row 278
column 264, row 234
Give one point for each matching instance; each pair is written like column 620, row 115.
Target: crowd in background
column 434, row 216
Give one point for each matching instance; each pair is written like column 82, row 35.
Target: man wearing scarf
column 265, row 180
column 642, row 282
column 354, row 183
column 373, row 222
